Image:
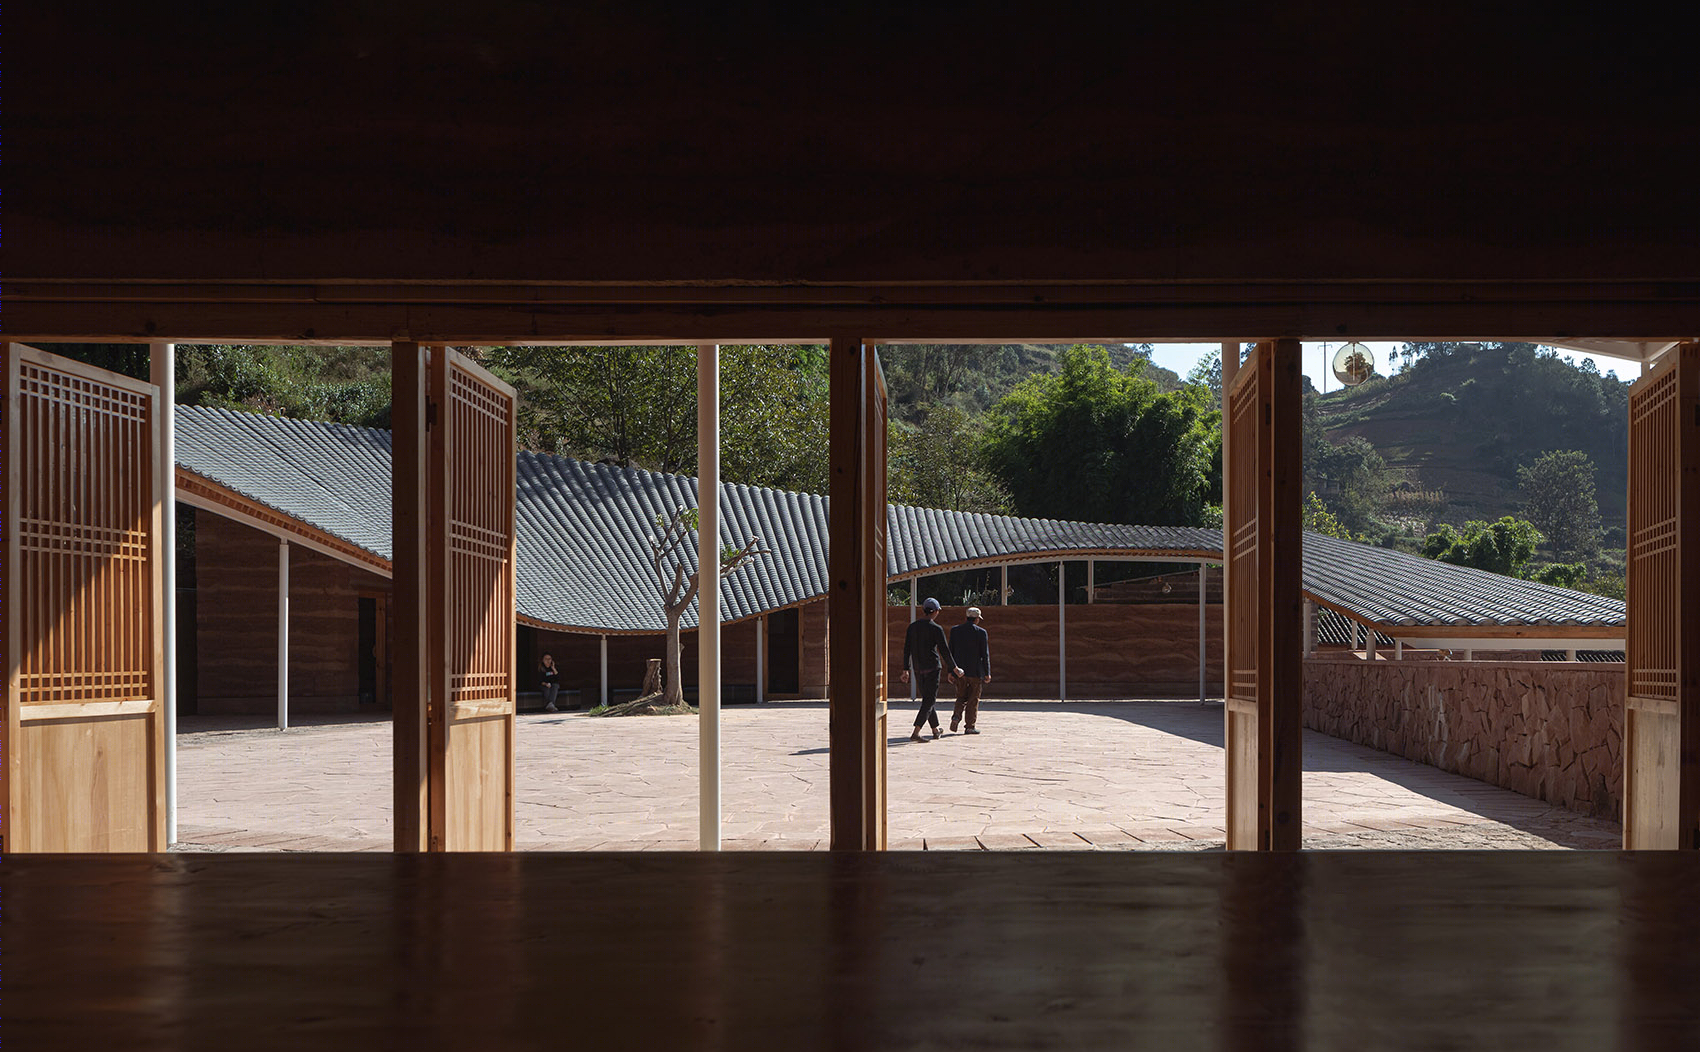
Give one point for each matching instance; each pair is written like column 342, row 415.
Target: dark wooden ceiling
column 964, row 143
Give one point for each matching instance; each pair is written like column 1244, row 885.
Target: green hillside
column 1461, row 418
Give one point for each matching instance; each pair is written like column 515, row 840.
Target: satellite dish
column 1353, row 365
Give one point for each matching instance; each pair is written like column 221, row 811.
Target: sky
column 1181, row 357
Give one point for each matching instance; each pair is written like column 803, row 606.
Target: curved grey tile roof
column 1396, row 588
column 582, row 529
column 332, row 476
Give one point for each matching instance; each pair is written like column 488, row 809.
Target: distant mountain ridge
column 1461, row 418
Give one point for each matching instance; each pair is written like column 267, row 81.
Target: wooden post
column 914, row 600
column 856, row 574
column 1062, row 632
column 162, row 362
column 1003, row 584
column 1092, row 577
column 1310, row 627
column 409, row 446
column 761, row 659
column 708, row 596
column 1202, row 648
column 602, row 696
column 282, row 635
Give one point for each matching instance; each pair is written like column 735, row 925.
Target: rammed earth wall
column 1550, row 730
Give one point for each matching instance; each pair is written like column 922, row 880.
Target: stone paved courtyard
column 1121, row 775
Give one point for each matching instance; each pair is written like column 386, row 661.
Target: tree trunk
column 651, row 678
column 673, row 688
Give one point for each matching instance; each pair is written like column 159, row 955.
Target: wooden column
column 409, row 445
column 1203, row 649
column 1661, row 728
column 1264, row 616
column 761, row 659
column 856, row 570
column 914, row 601
column 603, row 694
column 1062, row 632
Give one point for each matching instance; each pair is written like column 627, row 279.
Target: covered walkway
column 1107, row 775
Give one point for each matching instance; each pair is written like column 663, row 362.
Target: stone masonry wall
column 1550, row 730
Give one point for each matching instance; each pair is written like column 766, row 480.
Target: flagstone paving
column 1125, row 775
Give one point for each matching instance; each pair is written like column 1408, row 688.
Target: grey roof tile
column 582, row 529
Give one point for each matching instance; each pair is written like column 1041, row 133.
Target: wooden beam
column 202, row 492
column 1016, row 311
column 409, row 691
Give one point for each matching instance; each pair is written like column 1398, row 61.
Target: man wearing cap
column 969, row 643
column 923, row 647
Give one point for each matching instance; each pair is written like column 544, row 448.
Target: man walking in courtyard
column 973, row 649
column 923, row 648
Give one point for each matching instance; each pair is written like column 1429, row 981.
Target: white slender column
column 1369, row 643
column 1003, row 584
column 603, row 697
column 1092, row 577
column 1469, row 655
column 1201, row 634
column 1398, row 650
column 1062, row 634
column 162, row 363
column 1310, row 627
column 282, row 635
column 761, row 662
column 708, row 595
column 1570, row 655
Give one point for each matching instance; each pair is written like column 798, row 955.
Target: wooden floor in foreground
column 987, row 950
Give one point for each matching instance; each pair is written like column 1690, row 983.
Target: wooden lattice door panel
column 1661, row 798
column 84, row 751
column 1264, row 620
column 471, row 595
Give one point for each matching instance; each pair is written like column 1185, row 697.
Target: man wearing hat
column 923, row 648
column 969, row 643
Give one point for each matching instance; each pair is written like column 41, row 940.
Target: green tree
column 1097, row 443
column 638, row 405
column 1208, row 375
column 1558, row 497
column 1352, row 477
column 1503, row 547
column 1318, row 519
column 938, row 464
